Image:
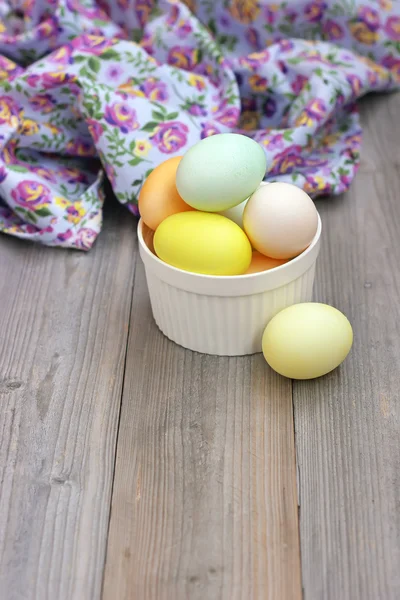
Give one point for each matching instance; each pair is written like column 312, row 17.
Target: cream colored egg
column 280, row 220
column 235, row 213
column 307, row 340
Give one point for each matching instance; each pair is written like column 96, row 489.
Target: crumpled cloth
column 79, row 98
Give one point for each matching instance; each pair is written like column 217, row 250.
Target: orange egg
column 259, row 263
column 159, row 197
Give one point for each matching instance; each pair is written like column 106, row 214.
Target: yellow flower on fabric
column 129, row 90
column 330, row 139
column 381, row 71
column 320, row 181
column 197, row 81
column 9, row 111
column 258, row 83
column 142, row 148
column 249, row 119
column 28, row 127
column 244, row 11
column 362, row 33
column 61, row 201
column 75, row 212
column 2, row 27
column 304, row 119
column 55, row 130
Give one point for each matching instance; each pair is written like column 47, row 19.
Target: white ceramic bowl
column 223, row 315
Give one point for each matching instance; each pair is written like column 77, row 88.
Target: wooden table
column 133, row 469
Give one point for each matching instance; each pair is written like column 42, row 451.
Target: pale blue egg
column 220, row 172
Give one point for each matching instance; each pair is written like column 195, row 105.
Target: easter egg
column 260, row 263
column 235, row 213
column 159, row 198
column 280, row 220
column 307, row 340
column 221, row 171
column 203, row 243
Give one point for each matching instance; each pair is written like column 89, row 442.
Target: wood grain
column 348, row 423
column 204, row 502
column 63, row 331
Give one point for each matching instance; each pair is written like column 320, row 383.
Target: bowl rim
column 225, row 278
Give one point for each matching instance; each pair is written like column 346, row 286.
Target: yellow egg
column 307, row 340
column 203, row 243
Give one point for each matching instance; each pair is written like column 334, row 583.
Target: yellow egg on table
column 260, row 263
column 307, row 340
column 204, row 243
column 159, row 198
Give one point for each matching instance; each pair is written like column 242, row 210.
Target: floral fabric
column 118, row 86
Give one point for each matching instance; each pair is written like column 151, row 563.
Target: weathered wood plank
column 204, row 502
column 63, row 331
column 348, row 423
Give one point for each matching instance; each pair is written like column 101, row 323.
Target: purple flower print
column 47, row 29
column 314, row 11
column 171, row 136
column 62, row 56
column 253, row 37
column 229, row 116
column 95, row 129
column 270, row 107
column 392, row 63
column 392, row 28
column 355, row 83
column 92, row 44
column 85, row 239
column 8, row 69
column 287, row 160
column 370, row 17
column 269, row 15
column 208, row 129
column 353, row 141
column 44, row 172
column 31, row 194
column 51, row 80
column 286, row 45
column 154, row 90
column 3, row 174
column 174, row 13
column 143, row 9
column 114, row 72
column 270, row 141
column 73, row 175
column 298, row 84
column 80, row 147
column 183, row 57
column 32, row 79
column 332, row 30
column 197, row 110
column 9, row 111
column 121, row 115
column 183, row 29
column 43, row 103
column 313, row 112
column 255, row 60
column 63, row 237
column 29, row 228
